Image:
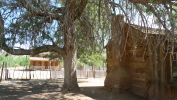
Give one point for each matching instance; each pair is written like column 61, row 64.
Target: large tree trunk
column 70, row 47
column 70, row 78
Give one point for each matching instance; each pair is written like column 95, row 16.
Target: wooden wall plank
column 139, row 81
column 142, row 91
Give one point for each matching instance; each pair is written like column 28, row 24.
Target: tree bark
column 70, row 78
column 70, row 47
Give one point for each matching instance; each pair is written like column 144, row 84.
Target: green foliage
column 93, row 28
column 53, row 55
column 22, row 61
column 80, row 63
column 175, row 15
column 92, row 59
column 13, row 61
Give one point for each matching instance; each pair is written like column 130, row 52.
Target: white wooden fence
column 48, row 74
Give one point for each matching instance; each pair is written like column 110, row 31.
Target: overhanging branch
column 151, row 1
column 42, row 13
column 80, row 9
column 21, row 51
column 157, row 16
column 34, row 51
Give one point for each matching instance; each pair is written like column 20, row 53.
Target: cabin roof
column 149, row 30
column 39, row 58
column 146, row 30
column 43, row 59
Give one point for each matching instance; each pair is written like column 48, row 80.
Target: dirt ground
column 91, row 89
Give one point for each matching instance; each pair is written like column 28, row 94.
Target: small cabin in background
column 137, row 62
column 41, row 63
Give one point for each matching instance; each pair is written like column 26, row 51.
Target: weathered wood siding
column 144, row 66
column 139, row 75
column 159, row 74
column 118, row 77
column 172, row 92
column 137, row 61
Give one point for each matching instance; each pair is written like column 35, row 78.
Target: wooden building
column 140, row 61
column 44, row 63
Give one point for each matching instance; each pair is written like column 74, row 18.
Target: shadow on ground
column 51, row 90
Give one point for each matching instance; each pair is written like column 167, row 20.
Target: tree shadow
column 25, row 90
column 99, row 93
column 51, row 90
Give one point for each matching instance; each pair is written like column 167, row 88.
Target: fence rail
column 48, row 74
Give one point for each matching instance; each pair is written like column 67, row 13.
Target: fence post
column 6, row 71
column 2, row 71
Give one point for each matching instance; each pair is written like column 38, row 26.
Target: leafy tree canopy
column 13, row 61
column 92, row 59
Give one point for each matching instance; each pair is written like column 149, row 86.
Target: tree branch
column 157, row 16
column 33, row 51
column 40, row 13
column 72, row 4
column 150, row 1
column 22, row 51
column 80, row 9
column 1, row 26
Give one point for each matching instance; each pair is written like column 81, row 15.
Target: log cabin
column 140, row 60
